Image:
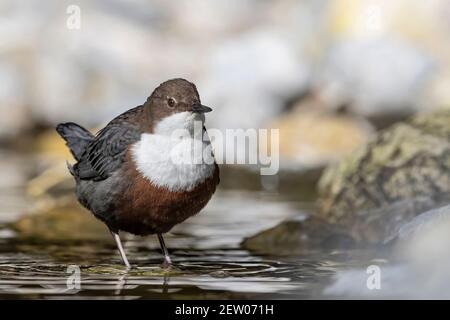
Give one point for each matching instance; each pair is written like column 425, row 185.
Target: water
column 209, row 262
column 198, row 275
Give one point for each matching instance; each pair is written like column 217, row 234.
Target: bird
column 142, row 173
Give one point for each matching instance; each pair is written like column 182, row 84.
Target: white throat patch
column 174, row 156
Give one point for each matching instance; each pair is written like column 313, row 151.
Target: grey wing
column 106, row 153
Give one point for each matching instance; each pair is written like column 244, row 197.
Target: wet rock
column 402, row 172
column 297, row 236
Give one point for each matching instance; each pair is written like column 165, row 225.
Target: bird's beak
column 199, row 108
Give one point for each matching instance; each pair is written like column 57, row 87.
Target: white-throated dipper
column 136, row 174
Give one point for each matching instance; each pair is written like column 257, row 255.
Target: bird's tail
column 77, row 138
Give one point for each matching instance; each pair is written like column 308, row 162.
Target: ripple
column 232, row 271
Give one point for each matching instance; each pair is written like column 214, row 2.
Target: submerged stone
column 297, row 236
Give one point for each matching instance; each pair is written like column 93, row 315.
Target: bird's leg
column 121, row 251
column 167, row 261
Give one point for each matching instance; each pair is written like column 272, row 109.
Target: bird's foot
column 167, row 263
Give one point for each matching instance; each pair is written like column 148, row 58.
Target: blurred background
column 331, row 75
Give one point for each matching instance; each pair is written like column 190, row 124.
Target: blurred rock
column 14, row 171
column 404, row 171
column 376, row 76
column 414, row 228
column 386, row 57
column 311, row 136
column 417, row 267
column 61, row 220
column 297, row 236
column 251, row 95
column 13, row 116
column 51, row 177
column 50, row 144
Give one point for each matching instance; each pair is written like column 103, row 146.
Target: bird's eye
column 171, row 102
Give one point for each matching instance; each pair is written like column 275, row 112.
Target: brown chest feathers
column 144, row 208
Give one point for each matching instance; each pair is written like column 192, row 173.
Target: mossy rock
column 365, row 198
column 404, row 171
